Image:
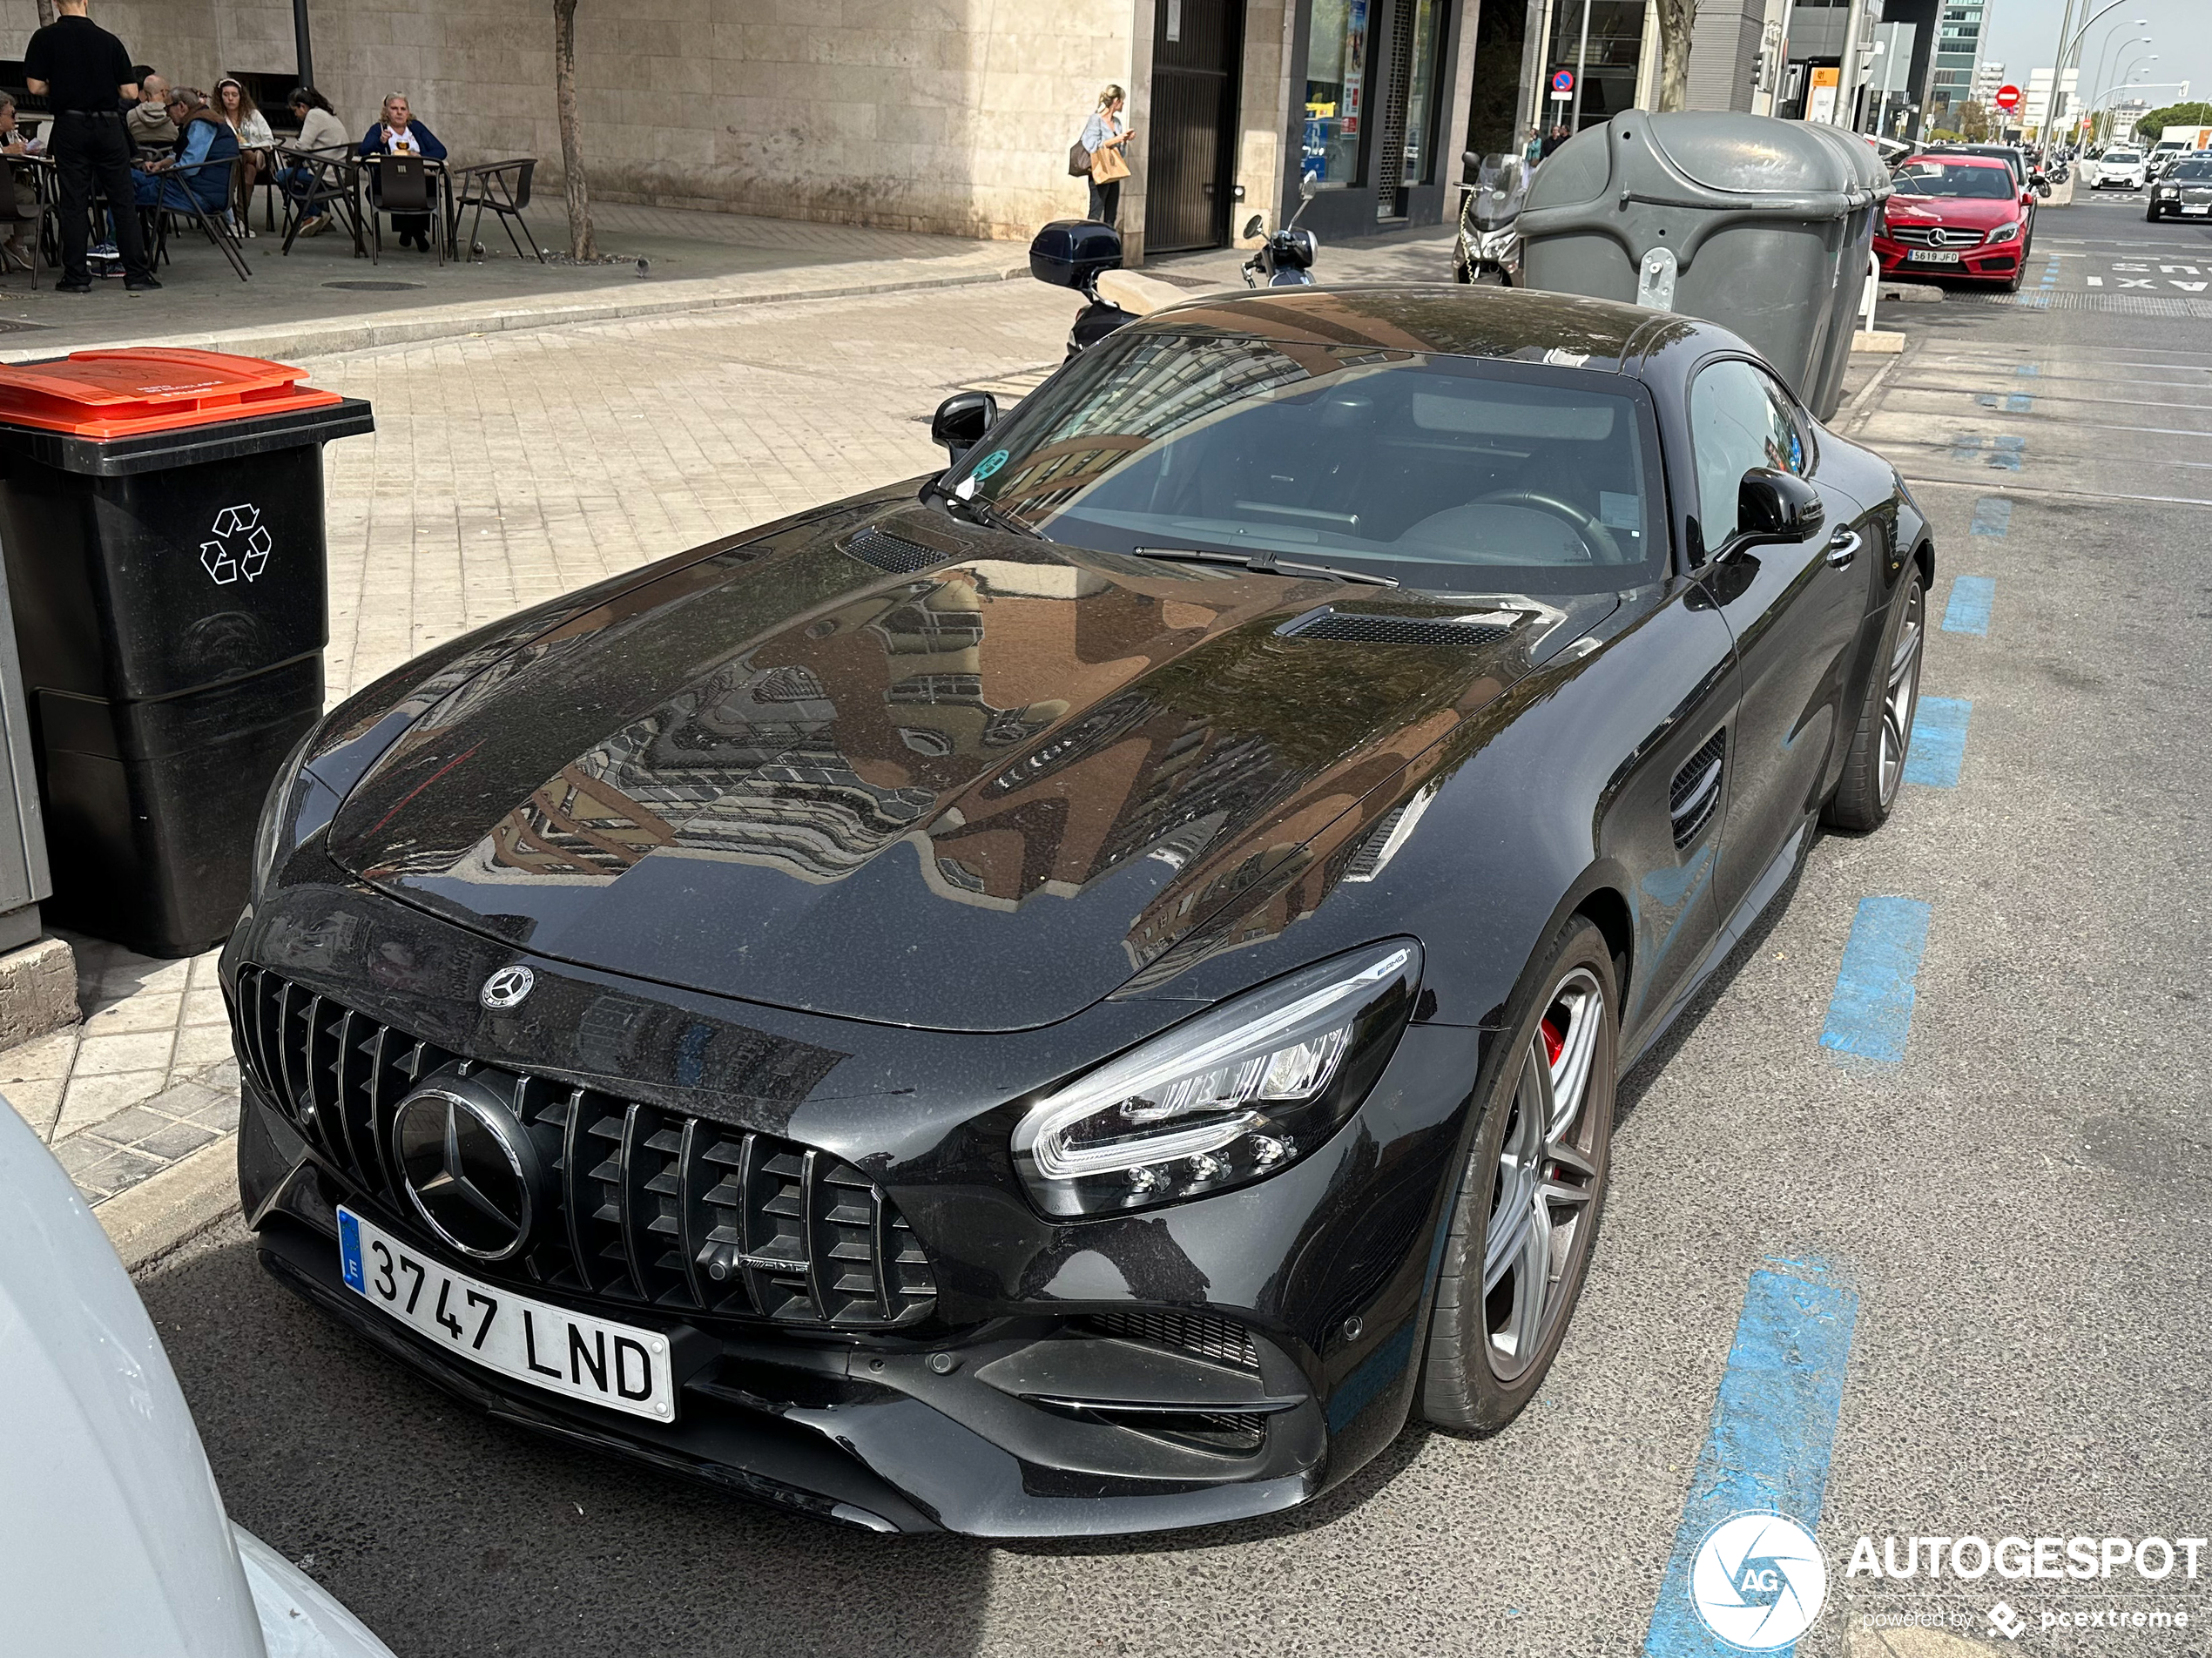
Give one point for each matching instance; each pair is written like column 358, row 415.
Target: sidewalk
column 321, row 298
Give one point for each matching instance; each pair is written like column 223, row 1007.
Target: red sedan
column 1956, row 215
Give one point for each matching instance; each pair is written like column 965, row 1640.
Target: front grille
column 1220, row 1339
column 655, row 1208
column 1365, row 627
column 1933, row 236
column 890, row 552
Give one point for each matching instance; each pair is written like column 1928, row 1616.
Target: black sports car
column 1073, row 995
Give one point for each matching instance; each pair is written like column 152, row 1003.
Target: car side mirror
column 960, row 421
column 1773, row 506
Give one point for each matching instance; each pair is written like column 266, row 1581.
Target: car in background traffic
column 2119, row 170
column 1956, row 215
column 113, row 1541
column 2185, row 192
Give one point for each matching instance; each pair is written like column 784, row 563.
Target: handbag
column 1107, row 165
column 1078, row 160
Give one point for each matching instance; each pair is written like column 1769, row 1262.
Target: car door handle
column 1842, row 547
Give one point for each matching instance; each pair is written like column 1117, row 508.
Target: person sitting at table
column 207, row 143
column 319, row 129
column 255, row 141
column 399, row 133
column 13, row 251
column 146, row 122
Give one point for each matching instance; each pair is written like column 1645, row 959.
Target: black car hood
column 978, row 796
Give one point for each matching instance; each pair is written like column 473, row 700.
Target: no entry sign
column 2008, row 97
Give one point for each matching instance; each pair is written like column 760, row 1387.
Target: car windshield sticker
column 988, row 464
column 1619, row 511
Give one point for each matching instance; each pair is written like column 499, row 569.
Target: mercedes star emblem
column 507, row 986
column 469, row 1168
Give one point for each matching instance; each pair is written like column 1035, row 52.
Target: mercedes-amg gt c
column 1077, row 994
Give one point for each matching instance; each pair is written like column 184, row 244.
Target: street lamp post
column 2104, row 57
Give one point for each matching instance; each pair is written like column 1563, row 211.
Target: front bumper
column 1025, row 1406
column 1998, row 262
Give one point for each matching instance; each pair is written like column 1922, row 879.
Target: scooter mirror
column 1307, row 189
column 1253, row 225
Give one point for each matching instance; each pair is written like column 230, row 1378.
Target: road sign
column 2008, row 96
column 1562, row 82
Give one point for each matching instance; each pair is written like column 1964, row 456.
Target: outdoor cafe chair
column 403, row 183
column 214, row 223
column 503, row 189
column 333, row 189
column 42, row 215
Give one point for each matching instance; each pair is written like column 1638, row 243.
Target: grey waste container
column 1761, row 226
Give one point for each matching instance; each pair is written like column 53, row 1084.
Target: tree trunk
column 581, row 243
column 45, row 12
column 1677, row 19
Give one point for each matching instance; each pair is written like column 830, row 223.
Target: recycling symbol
column 240, row 546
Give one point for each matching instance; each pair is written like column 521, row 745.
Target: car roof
column 1523, row 325
column 1971, row 157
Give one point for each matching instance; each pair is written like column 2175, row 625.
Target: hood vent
column 1368, row 627
column 893, row 553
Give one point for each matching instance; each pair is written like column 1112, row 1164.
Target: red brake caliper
column 1554, row 1038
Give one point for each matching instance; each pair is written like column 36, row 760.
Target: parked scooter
column 1283, row 260
column 1488, row 245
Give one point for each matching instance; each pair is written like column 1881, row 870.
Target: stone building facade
column 948, row 116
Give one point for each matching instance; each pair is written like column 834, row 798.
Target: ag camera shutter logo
column 1758, row 1582
column 240, row 547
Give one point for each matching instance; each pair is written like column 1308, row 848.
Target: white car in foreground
column 113, row 1541
column 2119, row 170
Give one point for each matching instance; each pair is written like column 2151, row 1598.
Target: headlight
column 299, row 803
column 1227, row 1098
column 2005, row 234
column 2169, row 190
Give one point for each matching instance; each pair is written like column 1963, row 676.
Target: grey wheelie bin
column 1764, row 226
column 161, row 515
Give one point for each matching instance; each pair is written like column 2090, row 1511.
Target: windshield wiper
column 1263, row 563
column 976, row 510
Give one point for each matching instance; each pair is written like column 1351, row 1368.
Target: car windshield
column 2120, row 158
column 1978, row 181
column 1350, row 457
column 2191, row 170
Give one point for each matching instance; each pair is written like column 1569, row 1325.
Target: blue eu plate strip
column 1870, row 1015
column 1992, row 516
column 1938, row 742
column 1968, row 611
column 349, row 1251
column 1773, row 1428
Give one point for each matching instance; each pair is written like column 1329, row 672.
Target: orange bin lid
column 149, row 388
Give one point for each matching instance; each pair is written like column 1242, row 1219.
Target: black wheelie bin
column 1762, row 225
column 161, row 515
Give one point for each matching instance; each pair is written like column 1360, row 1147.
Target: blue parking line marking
column 1992, row 516
column 2010, row 451
column 1965, row 445
column 1869, row 1013
column 1939, row 748
column 2029, row 369
column 1968, row 611
column 1772, row 1432
column 2011, row 403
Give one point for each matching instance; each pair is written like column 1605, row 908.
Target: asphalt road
column 2015, row 1210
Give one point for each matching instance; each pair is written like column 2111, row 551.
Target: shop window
column 1336, row 85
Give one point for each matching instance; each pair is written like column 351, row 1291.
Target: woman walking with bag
column 1103, row 137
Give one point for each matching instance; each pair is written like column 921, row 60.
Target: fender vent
column 1696, row 792
column 894, row 553
column 1365, row 627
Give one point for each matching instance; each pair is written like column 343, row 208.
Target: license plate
column 616, row 1365
column 2207, row 209
column 1931, row 256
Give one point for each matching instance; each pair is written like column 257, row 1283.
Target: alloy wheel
column 1903, row 695
column 1543, row 1205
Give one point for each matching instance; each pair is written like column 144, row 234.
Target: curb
column 174, row 1206
column 333, row 335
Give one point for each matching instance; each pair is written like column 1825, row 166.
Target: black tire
column 1472, row 1380
column 1875, row 768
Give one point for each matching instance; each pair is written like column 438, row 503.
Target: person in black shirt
column 84, row 75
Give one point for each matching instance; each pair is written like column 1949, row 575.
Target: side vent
column 1696, row 792
column 1368, row 627
column 893, row 553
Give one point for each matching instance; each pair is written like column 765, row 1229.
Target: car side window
column 1738, row 419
